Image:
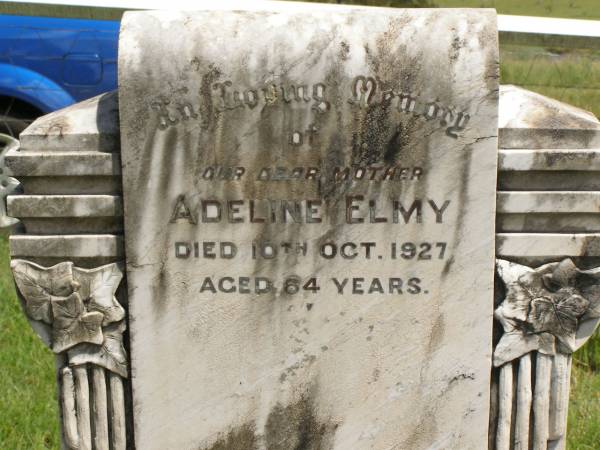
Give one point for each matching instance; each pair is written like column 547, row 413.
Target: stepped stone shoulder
column 92, row 125
column 530, row 120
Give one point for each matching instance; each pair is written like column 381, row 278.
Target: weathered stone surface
column 548, row 202
column 547, row 246
column 57, row 163
column 220, row 361
column 548, row 211
column 549, row 222
column 532, row 121
column 89, row 125
column 89, row 247
column 549, row 160
column 8, row 184
column 57, row 214
column 548, row 176
column 71, row 185
column 65, row 206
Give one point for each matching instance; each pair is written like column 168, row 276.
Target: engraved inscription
column 365, row 92
column 364, row 95
column 358, row 210
column 229, row 98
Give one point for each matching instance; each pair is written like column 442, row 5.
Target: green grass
column 583, row 431
column 28, row 407
column 570, row 76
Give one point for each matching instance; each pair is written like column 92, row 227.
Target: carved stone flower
column 80, row 307
column 545, row 308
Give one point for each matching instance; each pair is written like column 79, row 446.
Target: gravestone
column 304, row 203
column 305, row 196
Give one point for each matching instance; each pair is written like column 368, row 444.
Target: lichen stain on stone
column 58, row 127
column 422, row 433
column 296, row 427
column 463, row 198
column 241, row 438
column 553, row 158
column 344, row 51
column 455, row 47
column 436, row 337
column 306, row 361
column 590, row 247
column 447, row 266
column 548, row 115
column 396, row 144
column 371, row 140
column 206, row 106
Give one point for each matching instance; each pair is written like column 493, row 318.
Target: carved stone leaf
column 98, row 287
column 573, row 306
column 72, row 324
column 547, row 344
column 513, row 345
column 514, row 310
column 590, row 289
column 558, row 314
column 562, row 305
column 37, row 299
column 593, row 311
column 565, row 273
column 585, row 330
column 39, row 284
column 523, row 284
column 510, row 272
column 543, row 317
column 110, row 354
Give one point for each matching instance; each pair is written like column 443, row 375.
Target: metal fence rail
column 513, row 29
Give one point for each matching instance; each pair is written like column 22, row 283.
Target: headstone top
column 521, row 108
column 92, row 125
column 532, row 121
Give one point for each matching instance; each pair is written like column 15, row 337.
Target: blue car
column 49, row 63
